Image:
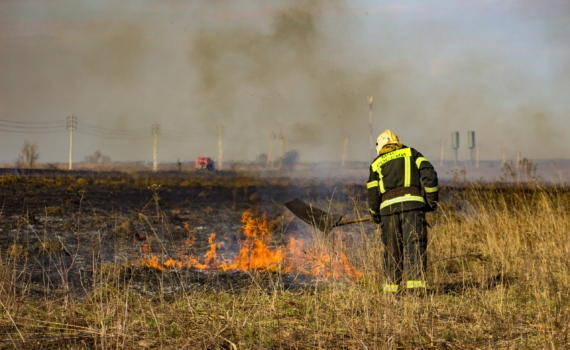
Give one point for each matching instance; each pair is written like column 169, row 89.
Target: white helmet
column 385, row 138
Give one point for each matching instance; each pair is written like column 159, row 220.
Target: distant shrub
column 290, row 160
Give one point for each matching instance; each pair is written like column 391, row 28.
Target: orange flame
column 256, row 254
column 210, row 257
column 145, row 245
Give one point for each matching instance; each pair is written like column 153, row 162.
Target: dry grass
column 499, row 277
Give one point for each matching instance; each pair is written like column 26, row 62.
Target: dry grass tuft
column 125, row 229
column 47, row 247
column 54, row 210
column 17, row 251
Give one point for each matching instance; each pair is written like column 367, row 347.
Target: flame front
column 256, row 254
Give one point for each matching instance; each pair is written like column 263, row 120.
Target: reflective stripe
column 431, row 189
column 373, row 212
column 383, row 159
column 406, row 198
column 415, row 284
column 372, row 184
column 420, row 160
column 407, row 172
column 377, row 164
column 391, row 288
column 381, row 181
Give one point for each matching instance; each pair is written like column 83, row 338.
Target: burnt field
column 214, row 260
column 59, row 229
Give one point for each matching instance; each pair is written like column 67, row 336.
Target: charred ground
column 58, row 227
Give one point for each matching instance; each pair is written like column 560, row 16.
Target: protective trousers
column 404, row 236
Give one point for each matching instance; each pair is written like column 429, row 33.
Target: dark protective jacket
column 401, row 179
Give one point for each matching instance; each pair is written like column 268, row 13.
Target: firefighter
column 402, row 186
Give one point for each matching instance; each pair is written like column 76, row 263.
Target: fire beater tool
column 318, row 218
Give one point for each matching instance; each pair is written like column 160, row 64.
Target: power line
column 60, row 126
column 36, row 123
column 32, row 131
column 180, row 136
column 6, row 125
column 19, row 128
column 107, row 133
column 112, row 131
column 45, row 127
column 112, row 136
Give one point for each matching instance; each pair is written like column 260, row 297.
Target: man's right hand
column 432, row 207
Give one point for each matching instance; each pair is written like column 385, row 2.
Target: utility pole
column 281, row 146
column 442, row 150
column 455, row 144
column 220, row 148
column 372, row 148
column 471, row 144
column 504, row 159
column 71, row 125
column 155, row 133
column 270, row 160
column 477, row 156
column 345, row 150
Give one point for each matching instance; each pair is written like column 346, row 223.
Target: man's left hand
column 376, row 218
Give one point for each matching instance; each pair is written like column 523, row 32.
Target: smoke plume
column 305, row 66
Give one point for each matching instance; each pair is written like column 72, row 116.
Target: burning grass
column 256, row 253
column 499, row 277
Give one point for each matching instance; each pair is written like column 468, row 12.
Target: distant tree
column 261, row 159
column 290, row 159
column 97, row 158
column 29, row 154
column 93, row 158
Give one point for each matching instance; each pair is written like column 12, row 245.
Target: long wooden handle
column 353, row 221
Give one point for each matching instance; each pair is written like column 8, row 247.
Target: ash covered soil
column 58, row 228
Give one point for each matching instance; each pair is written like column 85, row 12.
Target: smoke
column 291, row 71
column 305, row 66
column 116, row 53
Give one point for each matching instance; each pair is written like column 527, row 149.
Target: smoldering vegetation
column 75, row 266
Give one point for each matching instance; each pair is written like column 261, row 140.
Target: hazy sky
column 498, row 67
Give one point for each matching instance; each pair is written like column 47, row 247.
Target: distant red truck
column 205, row 163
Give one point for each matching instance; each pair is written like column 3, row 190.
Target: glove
column 376, row 218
